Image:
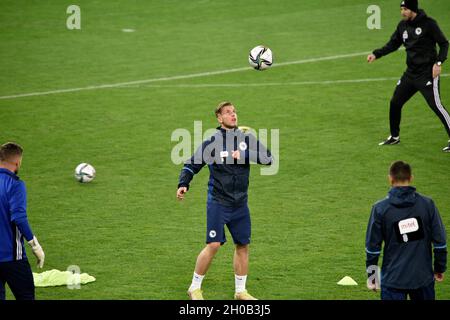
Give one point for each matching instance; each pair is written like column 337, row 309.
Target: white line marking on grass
column 265, row 84
column 187, row 76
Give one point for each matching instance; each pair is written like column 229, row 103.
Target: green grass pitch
column 126, row 227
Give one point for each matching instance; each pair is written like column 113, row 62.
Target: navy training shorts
column 237, row 219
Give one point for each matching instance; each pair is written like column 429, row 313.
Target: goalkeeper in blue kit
column 228, row 154
column 14, row 267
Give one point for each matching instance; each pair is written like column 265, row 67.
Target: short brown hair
column 221, row 106
column 400, row 171
column 10, row 150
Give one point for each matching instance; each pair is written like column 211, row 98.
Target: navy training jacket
column 409, row 224
column 229, row 178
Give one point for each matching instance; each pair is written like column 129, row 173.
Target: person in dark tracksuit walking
column 419, row 34
column 228, row 154
column 14, row 267
column 409, row 224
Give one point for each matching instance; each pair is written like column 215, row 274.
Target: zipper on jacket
column 234, row 188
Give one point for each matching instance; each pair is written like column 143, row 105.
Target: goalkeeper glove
column 37, row 251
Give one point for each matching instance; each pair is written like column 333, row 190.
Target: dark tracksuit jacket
column 420, row 37
column 229, row 178
column 409, row 224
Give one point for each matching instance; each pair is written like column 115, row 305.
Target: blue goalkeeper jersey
column 13, row 217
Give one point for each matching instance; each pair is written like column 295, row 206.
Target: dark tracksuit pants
column 423, row 293
column 19, row 277
column 408, row 86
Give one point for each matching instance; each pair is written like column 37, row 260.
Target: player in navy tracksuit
column 419, row 34
column 228, row 154
column 14, row 267
column 409, row 224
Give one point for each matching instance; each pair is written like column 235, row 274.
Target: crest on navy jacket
column 243, row 146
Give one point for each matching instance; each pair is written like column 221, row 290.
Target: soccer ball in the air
column 260, row 57
column 84, row 172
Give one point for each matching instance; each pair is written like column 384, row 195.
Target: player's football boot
column 390, row 141
column 196, row 294
column 447, row 148
column 244, row 295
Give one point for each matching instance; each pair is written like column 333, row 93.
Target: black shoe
column 447, row 148
column 389, row 141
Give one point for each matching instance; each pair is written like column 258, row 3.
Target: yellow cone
column 347, row 281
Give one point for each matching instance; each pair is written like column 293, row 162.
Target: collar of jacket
column 403, row 189
column 10, row 173
column 224, row 131
column 420, row 15
column 402, row 196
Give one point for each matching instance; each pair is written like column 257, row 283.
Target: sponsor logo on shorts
column 212, row 234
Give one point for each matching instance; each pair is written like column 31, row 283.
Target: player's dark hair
column 10, row 150
column 221, row 106
column 400, row 171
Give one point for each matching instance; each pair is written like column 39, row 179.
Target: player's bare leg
column 240, row 261
column 205, row 257
column 204, row 260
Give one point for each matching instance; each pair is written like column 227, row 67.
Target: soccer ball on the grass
column 260, row 57
column 84, row 172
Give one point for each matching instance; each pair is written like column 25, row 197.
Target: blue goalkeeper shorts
column 237, row 219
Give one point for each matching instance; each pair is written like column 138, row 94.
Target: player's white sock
column 240, row 283
column 196, row 282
